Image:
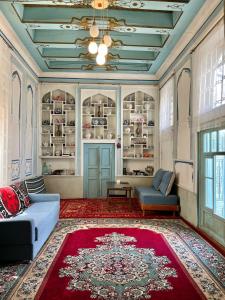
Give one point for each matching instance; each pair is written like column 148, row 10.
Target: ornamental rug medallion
column 120, row 259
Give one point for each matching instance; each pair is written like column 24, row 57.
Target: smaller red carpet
column 105, row 208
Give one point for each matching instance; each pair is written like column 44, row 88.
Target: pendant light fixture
column 102, row 49
column 94, row 30
column 93, row 47
column 100, row 59
column 105, row 38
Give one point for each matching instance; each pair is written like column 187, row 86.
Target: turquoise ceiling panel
column 143, row 32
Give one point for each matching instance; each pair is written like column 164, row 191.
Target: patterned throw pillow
column 10, row 205
column 35, row 185
column 167, row 183
column 21, row 191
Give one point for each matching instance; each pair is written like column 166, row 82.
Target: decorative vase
column 88, row 135
column 138, row 130
column 44, row 169
column 99, row 111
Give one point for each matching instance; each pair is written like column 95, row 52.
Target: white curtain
column 4, row 103
column 166, row 124
column 208, row 86
column 209, row 81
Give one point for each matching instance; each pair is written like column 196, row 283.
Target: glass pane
column 209, row 193
column 206, row 141
column 219, row 183
column 209, row 167
column 214, row 141
column 222, row 140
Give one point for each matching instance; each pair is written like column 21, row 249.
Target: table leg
column 130, row 198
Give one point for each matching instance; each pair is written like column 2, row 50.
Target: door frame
column 208, row 221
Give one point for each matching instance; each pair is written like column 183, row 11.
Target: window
column 166, row 124
column 166, row 105
column 213, row 156
column 209, row 77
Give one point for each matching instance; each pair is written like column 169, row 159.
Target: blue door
column 99, row 167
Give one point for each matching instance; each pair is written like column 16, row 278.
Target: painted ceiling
column 144, row 32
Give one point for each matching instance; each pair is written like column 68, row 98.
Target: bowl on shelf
column 127, row 130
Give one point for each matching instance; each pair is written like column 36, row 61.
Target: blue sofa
column 23, row 236
column 159, row 196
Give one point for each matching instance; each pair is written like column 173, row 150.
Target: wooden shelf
column 51, row 175
column 139, row 158
column 57, row 157
column 138, row 176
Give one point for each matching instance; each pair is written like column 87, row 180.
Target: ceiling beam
column 84, row 16
column 115, row 27
column 115, row 60
column 132, row 4
column 43, row 46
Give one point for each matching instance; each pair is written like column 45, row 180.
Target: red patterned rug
column 105, row 208
column 117, row 264
column 124, row 259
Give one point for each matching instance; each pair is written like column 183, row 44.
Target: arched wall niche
column 29, row 129
column 99, row 117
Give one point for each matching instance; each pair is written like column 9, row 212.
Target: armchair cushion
column 167, row 183
column 157, row 178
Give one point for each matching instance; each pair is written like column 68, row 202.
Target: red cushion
column 21, row 191
column 9, row 203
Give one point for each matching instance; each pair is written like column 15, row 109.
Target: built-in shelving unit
column 58, row 133
column 99, row 118
column 138, row 134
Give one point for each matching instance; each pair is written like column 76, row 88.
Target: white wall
column 18, row 82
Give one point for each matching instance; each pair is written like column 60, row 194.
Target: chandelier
column 100, row 50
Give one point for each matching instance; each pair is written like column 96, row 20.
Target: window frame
column 203, row 156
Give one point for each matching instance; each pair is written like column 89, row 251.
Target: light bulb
column 94, row 30
column 102, row 49
column 107, row 40
column 100, row 59
column 93, row 47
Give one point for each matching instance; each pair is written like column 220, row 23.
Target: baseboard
column 219, row 247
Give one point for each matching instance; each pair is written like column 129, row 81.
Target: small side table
column 113, row 186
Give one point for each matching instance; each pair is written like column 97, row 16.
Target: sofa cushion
column 157, row 178
column 148, row 195
column 35, row 185
column 21, row 191
column 167, row 182
column 9, row 203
